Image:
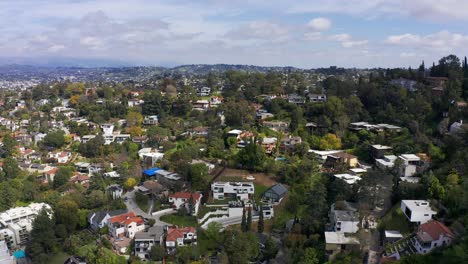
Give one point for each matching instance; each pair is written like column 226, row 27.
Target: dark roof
column 101, row 214
column 279, row 189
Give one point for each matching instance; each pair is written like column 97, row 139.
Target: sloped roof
column 173, row 233
column 432, row 230
column 186, row 195
column 279, row 189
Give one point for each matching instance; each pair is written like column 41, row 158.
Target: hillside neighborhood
column 281, row 166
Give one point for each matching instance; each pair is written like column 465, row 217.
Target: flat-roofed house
column 417, row 211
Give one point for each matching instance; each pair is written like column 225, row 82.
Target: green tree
column 271, row 249
column 62, row 176
column 213, row 231
column 66, row 213
column 9, row 145
column 198, row 176
column 261, row 221
column 10, row 167
column 311, row 256
column 157, row 253
column 252, row 156
column 241, row 247
column 54, row 139
column 248, row 225
column 244, row 221
column 43, row 238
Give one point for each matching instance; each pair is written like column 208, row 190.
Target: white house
column 432, row 235
column 344, row 221
column 115, row 191
column 125, row 225
column 61, row 156
column 387, row 162
column 348, row 178
column 16, row 223
column 417, row 211
column 238, row 190
column 177, row 237
column 409, row 165
column 204, row 91
column 151, row 120
column 180, row 199
column 99, row 219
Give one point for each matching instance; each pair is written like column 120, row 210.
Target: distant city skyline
column 303, row 34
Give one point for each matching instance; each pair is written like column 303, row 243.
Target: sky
column 299, row 33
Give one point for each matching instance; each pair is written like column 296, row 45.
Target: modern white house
column 183, row 199
column 151, row 120
column 16, row 223
column 237, row 190
column 386, row 162
column 432, row 235
column 409, row 164
column 417, row 211
column 348, row 178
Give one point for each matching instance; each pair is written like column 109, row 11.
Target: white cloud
column 432, row 10
column 260, row 30
column 319, row 24
column 442, row 40
column 341, row 37
column 93, row 42
column 347, row 41
column 56, row 48
column 351, row 44
column 313, row 35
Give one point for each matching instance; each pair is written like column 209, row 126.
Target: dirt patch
column 260, row 178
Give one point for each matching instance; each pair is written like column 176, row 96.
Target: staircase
column 404, row 247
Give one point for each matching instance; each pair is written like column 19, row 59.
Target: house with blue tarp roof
column 151, row 172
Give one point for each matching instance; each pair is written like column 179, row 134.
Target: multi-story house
column 144, row 241
column 16, row 223
column 236, row 190
column 125, row 225
column 417, row 211
column 177, row 237
column 151, row 120
column 432, row 235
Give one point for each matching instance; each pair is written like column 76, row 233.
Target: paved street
column 133, row 207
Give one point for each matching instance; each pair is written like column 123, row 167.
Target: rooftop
column 418, row 206
column 340, row 238
column 345, row 216
column 432, row 230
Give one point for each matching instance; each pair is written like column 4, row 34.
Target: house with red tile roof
column 79, row 178
column 191, row 201
column 177, row 237
column 432, row 235
column 125, row 225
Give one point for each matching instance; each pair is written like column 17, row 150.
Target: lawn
column 58, row 258
column 395, row 219
column 259, row 190
column 178, row 220
column 142, row 201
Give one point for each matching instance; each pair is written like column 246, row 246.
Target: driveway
column 132, row 206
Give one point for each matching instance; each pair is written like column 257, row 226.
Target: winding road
column 132, row 206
